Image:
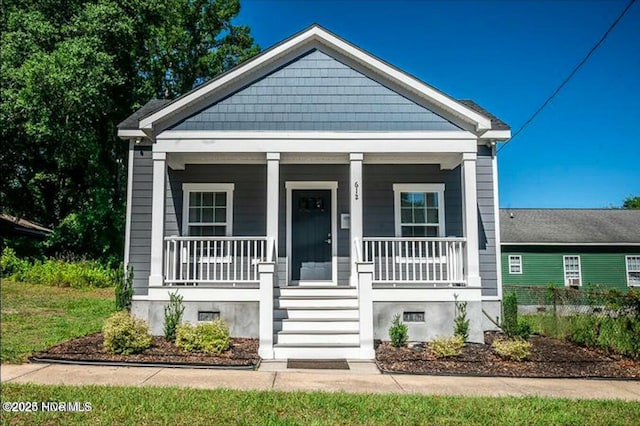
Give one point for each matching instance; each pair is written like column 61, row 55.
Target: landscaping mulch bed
column 550, row 358
column 242, row 353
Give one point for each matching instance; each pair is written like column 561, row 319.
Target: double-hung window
column 515, row 264
column 633, row 270
column 207, row 209
column 419, row 210
column 572, row 272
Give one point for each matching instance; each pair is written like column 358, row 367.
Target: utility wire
column 566, row 80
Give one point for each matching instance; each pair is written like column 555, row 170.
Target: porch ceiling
column 178, row 160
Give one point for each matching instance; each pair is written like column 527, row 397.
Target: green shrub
column 398, row 332
column 172, row 316
column 211, row 338
column 124, row 290
column 620, row 334
column 12, row 264
column 584, row 330
column 444, row 347
column 461, row 322
column 124, row 334
column 523, row 330
column 512, row 349
column 510, row 314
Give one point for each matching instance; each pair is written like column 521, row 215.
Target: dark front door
column 311, row 235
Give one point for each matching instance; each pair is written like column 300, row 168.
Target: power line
column 566, row 80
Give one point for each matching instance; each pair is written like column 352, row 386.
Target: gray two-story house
column 308, row 195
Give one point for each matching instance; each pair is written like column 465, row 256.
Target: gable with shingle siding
column 316, row 92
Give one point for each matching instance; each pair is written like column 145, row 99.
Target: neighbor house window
column 207, row 209
column 515, row 264
column 633, row 270
column 572, row 273
column 419, row 210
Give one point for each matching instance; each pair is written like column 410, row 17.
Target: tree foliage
column 631, row 203
column 71, row 70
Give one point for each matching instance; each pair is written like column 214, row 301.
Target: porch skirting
column 243, row 316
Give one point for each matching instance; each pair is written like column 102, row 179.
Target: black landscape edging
column 420, row 373
column 141, row 364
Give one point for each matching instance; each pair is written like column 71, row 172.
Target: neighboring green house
column 574, row 247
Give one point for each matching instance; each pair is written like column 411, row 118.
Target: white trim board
column 326, row 185
column 318, row 34
column 319, row 145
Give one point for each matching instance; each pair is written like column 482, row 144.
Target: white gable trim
column 318, row 34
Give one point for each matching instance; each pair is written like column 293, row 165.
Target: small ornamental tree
column 172, row 316
column 398, row 332
column 461, row 322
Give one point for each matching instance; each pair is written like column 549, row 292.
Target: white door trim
column 329, row 185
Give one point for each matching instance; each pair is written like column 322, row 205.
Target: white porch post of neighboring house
column 267, row 271
column 157, row 218
column 355, row 207
column 470, row 222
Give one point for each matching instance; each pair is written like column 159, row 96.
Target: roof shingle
column 570, row 226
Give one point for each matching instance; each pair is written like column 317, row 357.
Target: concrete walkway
column 361, row 378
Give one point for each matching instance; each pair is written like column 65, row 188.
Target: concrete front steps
column 317, row 322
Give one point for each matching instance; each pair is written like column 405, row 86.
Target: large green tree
column 631, row 203
column 71, row 70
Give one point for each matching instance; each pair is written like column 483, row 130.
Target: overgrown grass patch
column 129, row 405
column 35, row 317
column 59, row 273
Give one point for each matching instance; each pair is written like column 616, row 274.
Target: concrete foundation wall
column 242, row 317
column 438, row 319
column 493, row 308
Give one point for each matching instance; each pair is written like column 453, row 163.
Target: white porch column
column 470, row 222
column 273, row 191
column 355, row 208
column 157, row 218
column 267, row 273
column 365, row 294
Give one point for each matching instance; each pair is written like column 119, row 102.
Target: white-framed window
column 419, row 209
column 572, row 271
column 207, row 209
column 633, row 270
column 515, row 264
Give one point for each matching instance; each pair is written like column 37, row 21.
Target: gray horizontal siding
column 249, row 196
column 378, row 201
column 486, row 222
column 140, row 233
column 315, row 92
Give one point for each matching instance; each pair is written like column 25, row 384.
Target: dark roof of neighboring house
column 570, row 226
column 131, row 122
column 11, row 225
column 496, row 123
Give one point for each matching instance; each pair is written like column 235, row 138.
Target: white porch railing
column 437, row 261
column 212, row 260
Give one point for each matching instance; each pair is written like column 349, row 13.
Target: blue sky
column 583, row 150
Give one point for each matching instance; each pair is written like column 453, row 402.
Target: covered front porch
column 374, row 211
column 387, row 228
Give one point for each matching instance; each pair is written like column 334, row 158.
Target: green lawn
column 35, row 317
column 150, row 406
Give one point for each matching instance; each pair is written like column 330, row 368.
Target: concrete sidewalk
column 362, row 378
